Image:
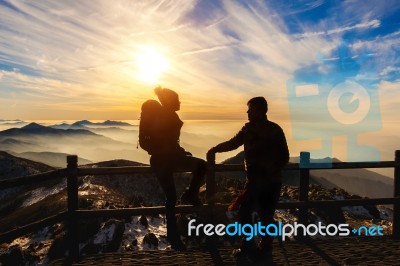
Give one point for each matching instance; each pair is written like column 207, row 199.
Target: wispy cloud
column 206, row 50
column 65, row 51
column 366, row 25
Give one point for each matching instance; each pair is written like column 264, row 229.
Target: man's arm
column 229, row 145
column 284, row 156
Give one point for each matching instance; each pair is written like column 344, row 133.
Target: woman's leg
column 164, row 174
column 199, row 169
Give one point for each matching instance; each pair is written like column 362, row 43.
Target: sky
column 329, row 69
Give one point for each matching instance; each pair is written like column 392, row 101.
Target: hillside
column 15, row 145
column 13, row 198
column 91, row 146
column 50, row 158
column 12, row 166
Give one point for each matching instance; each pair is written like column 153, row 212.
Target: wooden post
column 396, row 206
column 210, row 179
column 211, row 241
column 304, row 184
column 72, row 186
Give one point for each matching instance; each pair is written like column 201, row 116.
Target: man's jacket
column 265, row 148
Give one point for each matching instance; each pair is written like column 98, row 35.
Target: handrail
column 12, row 234
column 74, row 214
column 223, row 207
column 59, row 173
column 32, row 179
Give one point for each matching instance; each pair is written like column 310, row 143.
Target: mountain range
column 92, row 141
column 52, row 159
column 94, row 147
column 50, row 145
column 85, row 124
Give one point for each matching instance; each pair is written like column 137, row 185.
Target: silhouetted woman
column 169, row 156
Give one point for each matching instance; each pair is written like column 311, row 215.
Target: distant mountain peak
column 82, row 123
column 114, row 123
column 33, row 126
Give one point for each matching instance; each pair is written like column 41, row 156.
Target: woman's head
column 168, row 98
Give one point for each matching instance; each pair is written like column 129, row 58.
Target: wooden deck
column 328, row 251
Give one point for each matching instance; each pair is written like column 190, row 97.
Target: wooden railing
column 73, row 214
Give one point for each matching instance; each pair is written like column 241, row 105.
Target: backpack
column 149, row 117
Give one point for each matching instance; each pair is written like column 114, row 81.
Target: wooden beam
column 26, row 229
column 59, row 173
column 223, row 207
column 32, row 179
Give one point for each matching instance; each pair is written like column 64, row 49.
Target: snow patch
column 338, row 197
column 358, row 210
column 41, row 193
column 385, row 213
column 134, row 231
column 105, row 235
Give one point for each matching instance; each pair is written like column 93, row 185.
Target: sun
column 151, row 64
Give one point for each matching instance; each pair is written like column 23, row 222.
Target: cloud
column 84, row 51
column 206, row 50
column 365, row 25
column 388, row 70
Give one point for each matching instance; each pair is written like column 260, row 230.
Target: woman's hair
column 166, row 96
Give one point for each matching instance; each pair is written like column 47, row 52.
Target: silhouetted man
column 168, row 156
column 266, row 154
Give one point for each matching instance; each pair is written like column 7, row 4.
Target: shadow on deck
column 328, row 251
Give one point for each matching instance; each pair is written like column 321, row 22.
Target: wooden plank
column 350, row 202
column 128, row 170
column 223, row 207
column 26, row 229
column 352, row 165
column 32, row 179
column 141, row 211
column 59, row 173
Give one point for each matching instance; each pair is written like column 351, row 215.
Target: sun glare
column 151, row 64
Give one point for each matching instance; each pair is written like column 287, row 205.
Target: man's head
column 257, row 108
column 168, row 98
